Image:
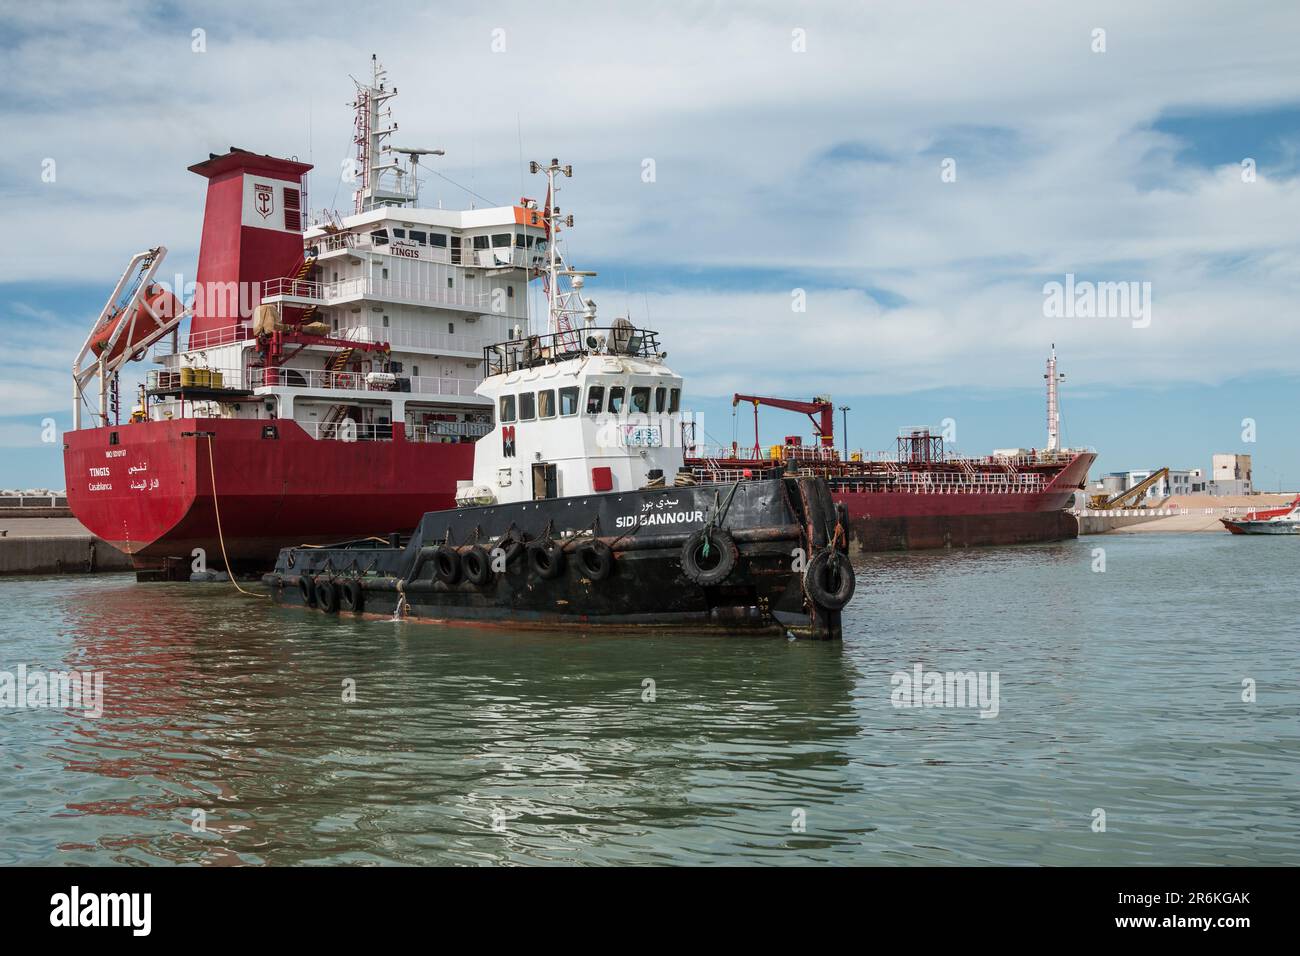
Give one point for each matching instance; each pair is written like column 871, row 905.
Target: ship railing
column 291, row 287
column 442, row 342
column 483, row 300
column 447, row 431
column 307, row 378
column 203, row 340
column 535, row 350
column 347, row 430
column 432, row 385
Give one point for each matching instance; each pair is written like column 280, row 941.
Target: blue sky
column 775, row 170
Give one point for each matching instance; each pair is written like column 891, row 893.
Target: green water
column 1119, row 691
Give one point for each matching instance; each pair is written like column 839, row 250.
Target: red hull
column 904, row 521
column 271, row 492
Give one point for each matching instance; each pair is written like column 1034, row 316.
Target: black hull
column 647, row 588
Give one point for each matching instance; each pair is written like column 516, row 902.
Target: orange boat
column 157, row 305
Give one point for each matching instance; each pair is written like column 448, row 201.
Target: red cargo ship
column 326, row 384
column 918, row 497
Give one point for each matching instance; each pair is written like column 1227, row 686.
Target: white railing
column 431, row 385
column 206, row 340
column 292, row 288
column 398, row 290
column 441, row 342
column 347, row 431
column 292, row 377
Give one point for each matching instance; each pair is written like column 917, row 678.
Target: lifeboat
column 165, row 305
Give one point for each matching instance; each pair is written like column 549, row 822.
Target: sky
column 864, row 200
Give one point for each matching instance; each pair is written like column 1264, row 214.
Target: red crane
column 819, row 408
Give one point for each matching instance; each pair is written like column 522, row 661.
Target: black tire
column 351, row 596
column 327, row 596
column 446, row 564
column 512, row 544
column 477, row 565
column 546, row 558
column 714, row 567
column 829, row 580
column 307, row 588
column 596, row 560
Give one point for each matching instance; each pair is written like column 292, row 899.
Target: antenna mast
column 1053, row 404
column 561, row 306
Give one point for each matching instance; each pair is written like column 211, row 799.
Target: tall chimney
column 252, row 232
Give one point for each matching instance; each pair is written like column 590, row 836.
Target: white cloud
column 1058, row 170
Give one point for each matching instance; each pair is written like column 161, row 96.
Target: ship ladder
column 339, row 360
column 335, row 415
column 304, row 270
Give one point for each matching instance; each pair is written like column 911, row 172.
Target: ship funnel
column 252, row 233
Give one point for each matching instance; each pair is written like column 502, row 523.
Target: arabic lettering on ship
column 144, row 484
column 136, row 469
column 661, row 504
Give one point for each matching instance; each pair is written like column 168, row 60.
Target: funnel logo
column 264, row 199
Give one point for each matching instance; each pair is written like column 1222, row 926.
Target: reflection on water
column 1119, row 691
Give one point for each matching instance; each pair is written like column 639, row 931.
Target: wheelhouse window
column 661, row 400
column 438, row 240
column 616, row 396
column 546, row 403
column 527, row 406
column 640, row 400
column 401, row 234
column 507, row 408
column 501, row 240
column 418, row 237
column 674, row 400
column 480, row 242
column 519, row 240
column 595, row 399
column 569, row 400
column 379, row 237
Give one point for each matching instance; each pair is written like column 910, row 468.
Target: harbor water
column 1147, row 711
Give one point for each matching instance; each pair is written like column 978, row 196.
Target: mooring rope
column 216, row 508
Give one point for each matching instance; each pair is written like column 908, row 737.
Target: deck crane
column 1130, row 497
column 821, row 410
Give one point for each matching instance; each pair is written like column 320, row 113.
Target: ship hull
column 646, row 585
column 150, row 492
column 1261, row 527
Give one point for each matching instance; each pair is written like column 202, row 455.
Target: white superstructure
column 389, row 313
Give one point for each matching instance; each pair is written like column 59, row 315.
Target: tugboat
column 583, row 513
column 1284, row 520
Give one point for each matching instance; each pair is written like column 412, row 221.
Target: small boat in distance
column 1284, row 520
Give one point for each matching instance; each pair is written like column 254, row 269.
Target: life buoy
column 829, row 580
column 477, row 565
column 596, row 560
column 351, row 596
column 446, row 564
column 307, row 588
column 709, row 557
column 327, row 596
column 546, row 558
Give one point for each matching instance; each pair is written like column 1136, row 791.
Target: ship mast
column 1053, row 404
column 384, row 181
column 561, row 306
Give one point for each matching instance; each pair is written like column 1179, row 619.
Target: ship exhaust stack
column 1053, row 404
column 252, row 233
